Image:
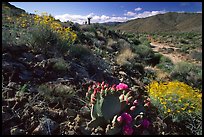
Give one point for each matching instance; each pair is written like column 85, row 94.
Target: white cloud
column 143, row 14
column 138, row 9
column 129, row 13
column 105, row 18
column 199, row 12
column 95, row 18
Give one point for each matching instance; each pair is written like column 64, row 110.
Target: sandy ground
column 174, row 56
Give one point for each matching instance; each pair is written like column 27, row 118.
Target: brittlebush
column 175, row 99
column 65, row 34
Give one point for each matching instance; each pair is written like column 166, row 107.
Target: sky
column 101, row 12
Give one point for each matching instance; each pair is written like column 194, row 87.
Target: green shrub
column 60, row 65
column 57, row 93
column 165, row 64
column 197, row 55
column 143, row 51
column 188, row 73
column 43, row 39
column 78, row 51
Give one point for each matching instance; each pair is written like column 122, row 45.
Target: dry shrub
column 125, row 56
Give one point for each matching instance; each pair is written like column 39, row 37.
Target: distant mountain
column 112, row 23
column 168, row 22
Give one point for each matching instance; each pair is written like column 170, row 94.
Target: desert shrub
column 176, row 100
column 125, row 56
column 197, row 55
column 188, row 73
column 60, row 64
column 78, row 51
column 184, row 41
column 43, row 39
column 155, row 59
column 165, row 64
column 143, row 51
column 56, row 93
column 49, row 34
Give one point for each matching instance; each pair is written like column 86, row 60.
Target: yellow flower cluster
column 175, row 98
column 47, row 20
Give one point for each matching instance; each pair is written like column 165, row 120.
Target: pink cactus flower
column 121, row 86
column 120, row 119
column 145, row 123
column 127, row 118
column 127, row 130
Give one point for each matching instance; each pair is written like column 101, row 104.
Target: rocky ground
column 32, row 105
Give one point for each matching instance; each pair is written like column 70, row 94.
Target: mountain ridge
column 168, row 22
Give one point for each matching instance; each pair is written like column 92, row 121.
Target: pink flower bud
column 127, row 130
column 95, row 91
column 147, row 104
column 93, row 100
column 89, row 88
column 135, row 102
column 132, row 108
column 87, row 94
column 103, row 83
column 120, row 119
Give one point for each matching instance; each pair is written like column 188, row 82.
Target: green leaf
column 96, row 122
column 110, row 107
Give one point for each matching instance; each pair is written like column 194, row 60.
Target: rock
column 39, row 72
column 85, row 111
column 25, row 75
column 19, row 66
column 7, row 66
column 71, row 112
column 70, row 132
column 122, row 73
column 28, row 56
column 84, row 129
column 46, row 127
column 17, row 131
column 13, row 85
column 39, row 57
column 6, row 56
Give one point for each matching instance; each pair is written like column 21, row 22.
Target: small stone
column 25, row 75
column 39, row 57
column 46, row 127
column 17, row 131
column 70, row 132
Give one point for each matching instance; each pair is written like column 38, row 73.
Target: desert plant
column 60, row 64
column 56, row 93
column 165, row 64
column 47, row 34
column 175, row 100
column 188, row 73
column 125, row 56
column 79, row 51
column 114, row 108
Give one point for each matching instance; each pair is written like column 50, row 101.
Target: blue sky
column 107, row 11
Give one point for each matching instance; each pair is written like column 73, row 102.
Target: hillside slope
column 169, row 22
